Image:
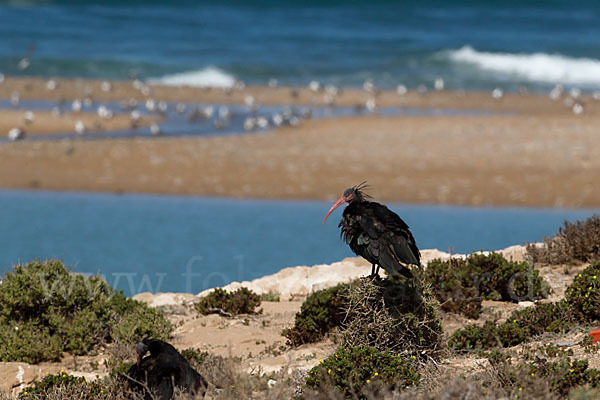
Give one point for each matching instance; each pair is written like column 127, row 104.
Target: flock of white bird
column 223, row 115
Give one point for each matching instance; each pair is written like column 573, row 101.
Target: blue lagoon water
column 169, row 243
column 470, row 44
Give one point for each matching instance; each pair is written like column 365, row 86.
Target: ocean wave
column 206, row 77
column 540, row 67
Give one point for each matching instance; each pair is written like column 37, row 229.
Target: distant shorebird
column 15, row 134
column 439, row 84
column 249, row 123
column 497, row 93
column 371, row 105
column 314, row 86
column 369, row 85
column 51, row 84
column 15, row 98
column 155, row 129
column 104, row 112
column 79, row 127
column 76, row 105
column 135, row 117
column 2, row 77
column 556, row 92
column 106, row 86
column 28, row 117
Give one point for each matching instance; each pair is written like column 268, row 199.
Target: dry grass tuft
column 575, row 242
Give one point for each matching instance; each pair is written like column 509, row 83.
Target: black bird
column 163, row 371
column 376, row 233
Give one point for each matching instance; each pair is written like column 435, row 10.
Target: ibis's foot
column 374, row 277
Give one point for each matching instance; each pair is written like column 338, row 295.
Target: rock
column 303, row 280
column 165, row 299
column 14, row 376
column 526, row 304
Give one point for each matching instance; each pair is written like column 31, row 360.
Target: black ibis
column 376, row 233
column 163, row 370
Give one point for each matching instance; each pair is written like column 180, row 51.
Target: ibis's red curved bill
column 338, row 203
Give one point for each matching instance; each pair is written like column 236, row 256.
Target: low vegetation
column 574, row 242
column 583, row 295
column 392, row 315
column 220, row 301
column 322, row 311
column 461, row 284
column 521, row 326
column 46, row 310
column 580, row 306
column 361, row 370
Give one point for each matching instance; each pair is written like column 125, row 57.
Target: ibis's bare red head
column 141, row 349
column 350, row 195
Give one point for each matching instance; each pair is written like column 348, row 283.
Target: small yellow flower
column 376, row 374
column 520, row 389
column 579, row 275
column 594, row 276
column 571, row 370
column 320, row 360
column 515, row 321
column 329, row 371
column 368, row 381
column 25, row 392
column 101, row 391
column 532, row 374
column 62, row 370
column 414, row 357
column 64, row 375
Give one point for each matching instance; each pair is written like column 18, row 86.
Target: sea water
column 188, row 244
column 469, row 44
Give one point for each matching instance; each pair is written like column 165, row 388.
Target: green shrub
column 241, row 301
column 583, row 295
column 461, row 284
column 579, row 241
column 51, row 383
column 392, row 315
column 518, row 328
column 358, row 370
column 454, row 286
column 322, row 311
column 45, row 310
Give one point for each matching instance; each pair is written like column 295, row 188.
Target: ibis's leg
column 373, row 270
column 377, row 270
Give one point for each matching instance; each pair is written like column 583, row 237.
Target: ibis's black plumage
column 376, row 233
column 163, row 371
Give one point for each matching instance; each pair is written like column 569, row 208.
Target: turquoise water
column 470, row 44
column 169, row 243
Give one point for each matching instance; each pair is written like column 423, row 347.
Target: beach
column 519, row 150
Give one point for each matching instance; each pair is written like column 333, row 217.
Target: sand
column 536, row 153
